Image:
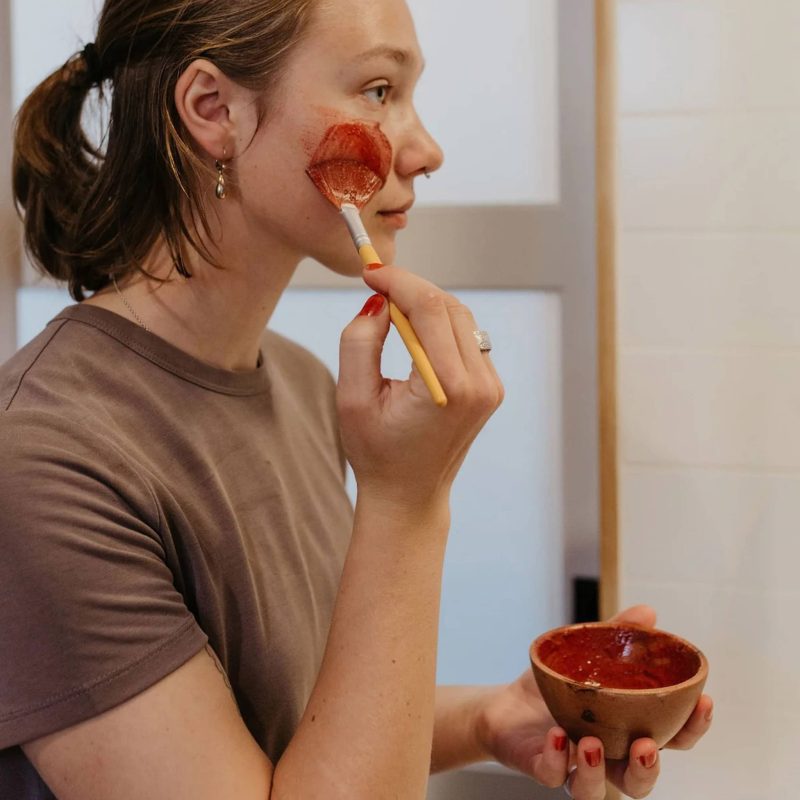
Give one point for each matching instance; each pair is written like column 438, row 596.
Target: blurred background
column 621, row 206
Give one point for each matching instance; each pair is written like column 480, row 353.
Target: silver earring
column 427, row 175
column 221, row 190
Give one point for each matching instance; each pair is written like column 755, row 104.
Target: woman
column 189, row 606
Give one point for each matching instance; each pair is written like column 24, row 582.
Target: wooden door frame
column 605, row 20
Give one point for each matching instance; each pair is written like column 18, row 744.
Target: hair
column 93, row 212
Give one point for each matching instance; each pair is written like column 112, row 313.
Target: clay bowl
column 618, row 682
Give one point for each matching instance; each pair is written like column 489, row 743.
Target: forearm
column 368, row 727
column 457, row 736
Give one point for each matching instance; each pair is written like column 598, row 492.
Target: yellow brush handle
column 412, row 342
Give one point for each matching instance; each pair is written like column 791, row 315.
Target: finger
column 360, row 349
column 588, row 781
column 637, row 776
column 638, row 615
column 696, row 726
column 551, row 765
column 464, row 327
column 425, row 306
column 477, row 363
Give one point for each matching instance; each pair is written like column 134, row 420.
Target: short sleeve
column 89, row 613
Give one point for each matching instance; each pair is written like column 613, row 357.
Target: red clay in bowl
column 619, row 658
column 618, row 682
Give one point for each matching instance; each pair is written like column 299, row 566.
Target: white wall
column 9, row 257
column 709, row 342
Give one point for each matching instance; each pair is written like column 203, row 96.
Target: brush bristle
column 345, row 182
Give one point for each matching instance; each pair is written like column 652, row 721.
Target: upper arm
column 181, row 739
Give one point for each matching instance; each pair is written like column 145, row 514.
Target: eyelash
column 387, row 88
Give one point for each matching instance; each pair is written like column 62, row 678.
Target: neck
column 217, row 315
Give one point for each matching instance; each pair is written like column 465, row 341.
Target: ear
column 208, row 103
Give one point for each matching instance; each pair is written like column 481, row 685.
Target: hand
column 518, row 731
column 403, row 448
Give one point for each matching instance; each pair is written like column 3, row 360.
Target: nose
column 419, row 152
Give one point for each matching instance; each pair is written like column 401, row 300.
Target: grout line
column 710, row 112
column 708, row 231
column 719, row 350
column 705, row 233
column 740, row 469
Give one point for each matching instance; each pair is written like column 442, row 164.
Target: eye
column 378, row 94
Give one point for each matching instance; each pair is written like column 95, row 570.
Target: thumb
column 360, row 351
column 638, row 615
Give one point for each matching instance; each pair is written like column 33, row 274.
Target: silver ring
column 484, row 341
column 566, row 786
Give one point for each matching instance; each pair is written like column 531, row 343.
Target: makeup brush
column 349, row 166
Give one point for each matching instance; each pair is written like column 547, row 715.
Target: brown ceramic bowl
column 618, row 682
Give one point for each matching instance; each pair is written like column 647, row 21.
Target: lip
column 396, row 217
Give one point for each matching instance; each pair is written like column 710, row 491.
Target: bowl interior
column 618, row 656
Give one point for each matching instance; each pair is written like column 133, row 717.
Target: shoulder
column 14, row 371
column 53, row 462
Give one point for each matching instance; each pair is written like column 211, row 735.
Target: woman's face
column 360, row 60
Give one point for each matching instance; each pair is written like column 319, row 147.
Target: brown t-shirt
column 151, row 503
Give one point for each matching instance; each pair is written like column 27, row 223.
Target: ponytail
column 54, row 168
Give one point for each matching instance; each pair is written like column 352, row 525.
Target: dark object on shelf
column 585, row 600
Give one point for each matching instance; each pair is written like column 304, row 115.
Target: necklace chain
column 127, row 304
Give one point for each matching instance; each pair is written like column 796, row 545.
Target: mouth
column 396, row 217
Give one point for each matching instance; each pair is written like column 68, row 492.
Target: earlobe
column 202, row 97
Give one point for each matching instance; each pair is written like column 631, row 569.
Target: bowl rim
column 698, row 677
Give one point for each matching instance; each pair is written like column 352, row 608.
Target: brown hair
column 93, row 212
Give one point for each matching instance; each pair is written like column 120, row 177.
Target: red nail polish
column 373, row 267
column 593, row 757
column 560, row 743
column 373, row 306
column 649, row 761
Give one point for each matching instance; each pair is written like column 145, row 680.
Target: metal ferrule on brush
column 355, row 225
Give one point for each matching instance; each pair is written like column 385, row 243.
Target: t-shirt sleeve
column 89, row 613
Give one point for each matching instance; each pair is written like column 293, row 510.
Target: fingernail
column 649, row 761
column 373, row 267
column 373, row 306
column 710, row 714
column 593, row 757
column 560, row 743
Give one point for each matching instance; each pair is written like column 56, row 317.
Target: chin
column 347, row 262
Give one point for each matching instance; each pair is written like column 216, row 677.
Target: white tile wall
column 734, row 529
column 695, row 55
column 709, row 393
column 713, row 408
column 729, row 290
column 732, row 170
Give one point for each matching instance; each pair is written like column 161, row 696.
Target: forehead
column 365, row 28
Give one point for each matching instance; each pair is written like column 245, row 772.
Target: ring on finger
column 484, row 341
column 567, row 783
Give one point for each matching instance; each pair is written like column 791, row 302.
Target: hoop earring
column 221, row 191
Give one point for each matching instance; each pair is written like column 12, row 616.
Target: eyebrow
column 402, row 57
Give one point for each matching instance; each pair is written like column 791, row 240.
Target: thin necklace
column 127, row 304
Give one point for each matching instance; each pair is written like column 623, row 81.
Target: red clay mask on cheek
column 351, row 163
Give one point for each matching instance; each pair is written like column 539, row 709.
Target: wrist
column 461, row 733
column 395, row 508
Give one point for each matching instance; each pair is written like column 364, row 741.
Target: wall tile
column 719, row 409
column 737, row 760
column 724, row 171
column 727, row 290
column 685, row 55
column 736, row 529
